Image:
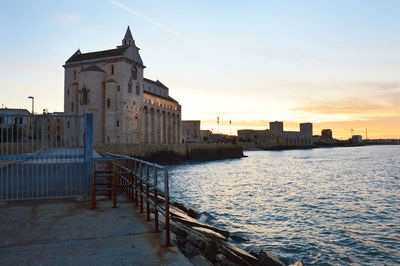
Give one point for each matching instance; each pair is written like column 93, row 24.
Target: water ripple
column 334, row 206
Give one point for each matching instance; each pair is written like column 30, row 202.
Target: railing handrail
column 134, row 177
column 137, row 160
column 41, row 115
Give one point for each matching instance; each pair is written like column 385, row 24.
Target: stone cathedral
column 127, row 108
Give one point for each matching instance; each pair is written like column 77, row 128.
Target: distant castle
column 127, row 108
column 276, row 137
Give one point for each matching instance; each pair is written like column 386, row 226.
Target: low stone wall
column 169, row 153
column 272, row 146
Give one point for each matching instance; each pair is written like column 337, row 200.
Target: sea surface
column 327, row 206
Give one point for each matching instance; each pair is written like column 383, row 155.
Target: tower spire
column 128, row 39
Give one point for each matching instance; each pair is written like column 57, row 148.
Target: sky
column 333, row 63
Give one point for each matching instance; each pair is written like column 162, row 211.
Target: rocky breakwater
column 208, row 245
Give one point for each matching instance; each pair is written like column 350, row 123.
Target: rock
column 233, row 258
column 297, row 263
column 222, row 260
column 209, row 233
column 190, row 250
column 196, row 240
column 186, row 209
column 211, row 251
column 238, row 238
column 180, row 233
column 205, row 217
column 237, row 255
column 178, row 229
column 200, row 261
column 266, row 258
column 255, row 254
column 193, row 213
column 186, row 220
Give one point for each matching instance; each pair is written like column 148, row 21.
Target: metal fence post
column 167, row 227
column 89, row 152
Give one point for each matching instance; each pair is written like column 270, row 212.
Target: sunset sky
column 333, row 63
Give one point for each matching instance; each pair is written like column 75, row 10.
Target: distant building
column 7, row 121
column 326, row 134
column 306, row 129
column 276, row 137
column 191, row 131
column 276, row 128
column 251, row 135
column 221, row 138
column 356, row 139
column 205, row 134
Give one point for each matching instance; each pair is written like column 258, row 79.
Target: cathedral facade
column 127, row 108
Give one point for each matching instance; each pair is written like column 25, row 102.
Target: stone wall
column 168, row 153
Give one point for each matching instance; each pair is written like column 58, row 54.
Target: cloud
column 382, row 103
column 68, row 19
column 377, row 127
column 161, row 26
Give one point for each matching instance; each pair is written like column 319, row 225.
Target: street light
column 33, row 103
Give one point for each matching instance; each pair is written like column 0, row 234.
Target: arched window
column 130, row 86
column 112, row 69
column 134, row 72
column 137, row 89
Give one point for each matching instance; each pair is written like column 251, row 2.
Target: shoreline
column 201, row 241
column 322, row 146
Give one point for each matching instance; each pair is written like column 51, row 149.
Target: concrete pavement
column 68, row 232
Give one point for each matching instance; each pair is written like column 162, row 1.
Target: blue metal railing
column 45, row 156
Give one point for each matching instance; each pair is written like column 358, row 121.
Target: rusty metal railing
column 144, row 182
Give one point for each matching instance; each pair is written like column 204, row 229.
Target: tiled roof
column 14, row 110
column 158, row 83
column 162, row 97
column 96, row 55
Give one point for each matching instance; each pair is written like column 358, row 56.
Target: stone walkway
column 69, row 232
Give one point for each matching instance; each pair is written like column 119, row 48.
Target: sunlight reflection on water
column 336, row 206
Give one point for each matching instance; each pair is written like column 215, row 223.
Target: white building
column 126, row 107
column 7, row 121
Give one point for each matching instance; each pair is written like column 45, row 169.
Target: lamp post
column 33, row 103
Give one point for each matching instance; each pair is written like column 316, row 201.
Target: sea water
column 334, row 206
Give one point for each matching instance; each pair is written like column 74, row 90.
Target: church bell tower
column 128, row 39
